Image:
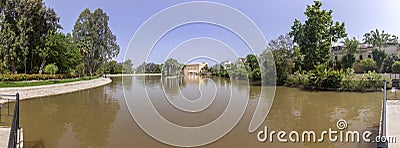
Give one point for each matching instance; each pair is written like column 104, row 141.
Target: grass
column 4, row 84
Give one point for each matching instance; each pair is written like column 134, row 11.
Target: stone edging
column 54, row 89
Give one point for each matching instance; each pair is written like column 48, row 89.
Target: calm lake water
column 100, row 118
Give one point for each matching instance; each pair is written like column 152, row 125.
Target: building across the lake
column 194, row 68
column 365, row 51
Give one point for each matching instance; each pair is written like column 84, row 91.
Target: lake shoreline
column 32, row 92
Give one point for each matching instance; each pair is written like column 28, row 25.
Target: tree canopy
column 315, row 35
column 95, row 39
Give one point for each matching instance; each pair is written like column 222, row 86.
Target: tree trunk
column 42, row 66
column 13, row 67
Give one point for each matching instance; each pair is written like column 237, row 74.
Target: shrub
column 297, row 79
column 365, row 66
column 368, row 81
column 29, row 77
column 80, row 69
column 396, row 67
column 255, row 74
column 322, row 77
column 51, row 69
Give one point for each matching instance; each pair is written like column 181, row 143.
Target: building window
column 361, row 58
column 335, row 57
column 369, row 56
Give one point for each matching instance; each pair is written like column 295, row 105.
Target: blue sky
column 273, row 17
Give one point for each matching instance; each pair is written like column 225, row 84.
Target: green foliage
column 379, row 56
column 315, row 35
column 370, row 81
column 396, row 67
column 351, row 47
column 172, row 67
column 298, row 79
column 80, row 69
column 23, row 26
column 365, row 66
column 252, row 62
column 59, row 49
column 256, row 74
column 282, row 50
column 51, row 69
column 127, row 67
column 322, row 77
column 95, row 39
column 30, row 77
column 388, row 63
column 379, row 39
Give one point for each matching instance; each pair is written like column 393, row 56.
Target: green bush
column 29, row 77
column 368, row 81
column 297, row 79
column 322, row 77
column 51, row 69
column 396, row 67
column 365, row 66
column 255, row 74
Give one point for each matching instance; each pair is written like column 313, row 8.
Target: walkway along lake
column 99, row 117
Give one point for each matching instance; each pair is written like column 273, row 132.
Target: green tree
column 388, row 62
column 396, row 67
column 127, row 66
column 282, row 50
column 251, row 62
column 379, row 56
column 95, row 38
column 365, row 65
column 315, row 35
column 23, row 26
column 51, row 69
column 379, row 39
column 172, row 67
column 351, row 47
column 59, row 49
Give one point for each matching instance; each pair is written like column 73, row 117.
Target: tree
column 388, row 62
column 95, row 38
column 365, row 65
column 251, row 62
column 396, row 67
column 379, row 39
column 379, row 56
column 127, row 66
column 24, row 24
column 51, row 69
column 60, row 49
column 282, row 50
column 315, row 35
column 172, row 67
column 351, row 47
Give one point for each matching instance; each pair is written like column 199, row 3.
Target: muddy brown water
column 99, row 117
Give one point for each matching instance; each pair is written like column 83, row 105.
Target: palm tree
column 379, row 39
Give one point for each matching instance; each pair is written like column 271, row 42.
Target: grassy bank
column 4, row 84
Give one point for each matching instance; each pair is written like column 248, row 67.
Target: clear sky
column 273, row 17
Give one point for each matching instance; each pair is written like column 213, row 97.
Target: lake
column 99, row 117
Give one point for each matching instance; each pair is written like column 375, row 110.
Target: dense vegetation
column 303, row 57
column 32, row 42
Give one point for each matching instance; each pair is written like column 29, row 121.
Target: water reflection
column 81, row 119
column 100, row 118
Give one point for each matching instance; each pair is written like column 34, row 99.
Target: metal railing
column 14, row 139
column 382, row 130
